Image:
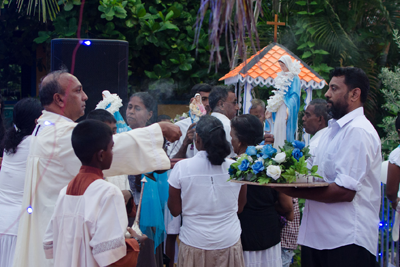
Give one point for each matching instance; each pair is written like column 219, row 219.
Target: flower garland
column 111, row 102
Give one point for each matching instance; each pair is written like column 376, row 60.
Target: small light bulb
column 48, row 123
column 87, row 42
column 29, row 209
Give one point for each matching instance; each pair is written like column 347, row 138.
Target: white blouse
column 209, row 203
column 12, row 180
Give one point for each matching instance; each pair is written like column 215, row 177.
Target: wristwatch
column 137, row 239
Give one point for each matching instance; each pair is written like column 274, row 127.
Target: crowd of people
column 70, row 192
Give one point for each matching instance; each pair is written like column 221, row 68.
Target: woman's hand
column 170, row 131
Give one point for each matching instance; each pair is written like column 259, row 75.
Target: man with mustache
column 340, row 222
column 52, row 163
column 315, row 121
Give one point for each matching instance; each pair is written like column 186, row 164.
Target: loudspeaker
column 99, row 65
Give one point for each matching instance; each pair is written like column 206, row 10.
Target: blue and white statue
column 285, row 103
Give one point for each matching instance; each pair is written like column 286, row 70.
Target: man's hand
column 170, row 131
column 269, row 139
column 142, row 238
column 189, row 135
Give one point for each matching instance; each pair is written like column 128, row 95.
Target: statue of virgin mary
column 285, row 103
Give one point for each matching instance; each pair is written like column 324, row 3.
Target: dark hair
column 26, row 111
column 212, row 133
column 353, row 78
column 89, row 137
column 163, row 117
column 397, row 123
column 218, row 93
column 248, row 128
column 148, row 102
column 200, row 87
column 101, row 115
column 51, row 87
column 320, row 108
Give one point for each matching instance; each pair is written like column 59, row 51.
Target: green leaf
column 168, row 26
column 141, row 12
column 151, row 74
column 68, row 6
column 185, row 67
column 314, row 168
column 153, row 10
column 310, row 44
column 169, row 15
column 313, row 3
column 303, row 45
column 301, row 3
column 174, row 61
column 124, row 3
column 76, row 2
column 43, row 36
column 322, row 52
column 306, row 54
column 302, row 12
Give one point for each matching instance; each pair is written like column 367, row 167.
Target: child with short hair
column 89, row 221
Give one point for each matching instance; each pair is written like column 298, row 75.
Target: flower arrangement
column 264, row 164
column 179, row 117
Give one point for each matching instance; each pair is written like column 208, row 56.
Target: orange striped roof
column 265, row 64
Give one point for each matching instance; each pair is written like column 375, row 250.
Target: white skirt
column 7, row 250
column 264, row 258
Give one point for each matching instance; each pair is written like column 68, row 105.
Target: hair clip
column 215, row 128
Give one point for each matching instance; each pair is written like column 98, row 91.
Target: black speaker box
column 99, row 65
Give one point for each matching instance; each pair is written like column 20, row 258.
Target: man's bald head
column 62, row 93
column 50, row 85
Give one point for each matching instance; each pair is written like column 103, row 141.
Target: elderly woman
column 260, row 219
column 139, row 113
column 285, row 104
column 199, row 190
column 12, row 175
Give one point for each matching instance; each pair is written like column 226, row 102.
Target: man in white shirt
column 184, row 148
column 315, row 121
column 340, row 221
column 224, row 106
column 52, row 163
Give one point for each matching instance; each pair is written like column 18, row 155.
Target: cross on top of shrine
column 276, row 24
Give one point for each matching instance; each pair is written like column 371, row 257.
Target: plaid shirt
column 290, row 232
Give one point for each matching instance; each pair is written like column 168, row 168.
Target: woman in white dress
column 199, row 189
column 16, row 144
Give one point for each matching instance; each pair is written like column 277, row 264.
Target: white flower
column 275, row 101
column 259, row 147
column 274, row 171
column 280, row 157
column 250, row 159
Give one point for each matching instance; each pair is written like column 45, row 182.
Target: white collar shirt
column 174, row 147
column 348, row 154
column 226, row 122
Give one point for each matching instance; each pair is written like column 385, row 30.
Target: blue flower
column 297, row 154
column 298, row 144
column 268, row 151
column 231, row 170
column 244, row 165
column 257, row 167
column 262, row 143
column 251, row 151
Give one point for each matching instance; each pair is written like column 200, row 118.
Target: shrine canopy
column 263, row 67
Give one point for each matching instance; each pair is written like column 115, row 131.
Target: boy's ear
column 100, row 156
